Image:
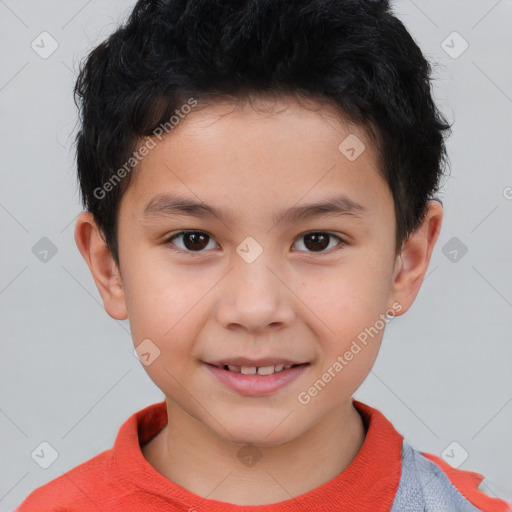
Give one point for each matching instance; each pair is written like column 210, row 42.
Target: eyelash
column 169, row 241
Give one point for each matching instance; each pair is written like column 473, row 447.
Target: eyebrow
column 165, row 205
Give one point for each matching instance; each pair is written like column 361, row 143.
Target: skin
column 293, row 301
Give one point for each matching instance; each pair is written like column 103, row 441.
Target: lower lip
column 256, row 385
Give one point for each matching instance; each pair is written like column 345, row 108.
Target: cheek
column 346, row 299
column 163, row 309
column 162, row 302
column 339, row 376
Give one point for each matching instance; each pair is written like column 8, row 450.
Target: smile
column 260, row 370
column 256, row 380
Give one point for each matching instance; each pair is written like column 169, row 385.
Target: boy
column 258, row 179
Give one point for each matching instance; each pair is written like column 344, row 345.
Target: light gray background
column 69, row 376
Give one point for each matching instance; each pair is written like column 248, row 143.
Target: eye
column 319, row 241
column 193, row 241
column 196, row 241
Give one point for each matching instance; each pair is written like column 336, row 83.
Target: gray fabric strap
column 424, row 487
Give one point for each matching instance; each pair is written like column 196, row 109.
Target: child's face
column 295, row 301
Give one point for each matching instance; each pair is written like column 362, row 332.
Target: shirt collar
column 370, row 482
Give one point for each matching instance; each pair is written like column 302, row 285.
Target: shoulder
column 429, row 484
column 110, row 480
column 78, row 489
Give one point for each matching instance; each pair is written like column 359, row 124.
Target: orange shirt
column 120, row 479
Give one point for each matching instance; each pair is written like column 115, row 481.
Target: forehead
column 258, row 152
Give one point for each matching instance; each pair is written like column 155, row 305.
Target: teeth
column 248, row 370
column 265, row 370
column 262, row 370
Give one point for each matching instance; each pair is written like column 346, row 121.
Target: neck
column 195, row 458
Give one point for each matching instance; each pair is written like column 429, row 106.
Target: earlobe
column 413, row 261
column 100, row 261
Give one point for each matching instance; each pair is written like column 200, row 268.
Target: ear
column 100, row 261
column 412, row 263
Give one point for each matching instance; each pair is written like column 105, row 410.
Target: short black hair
column 354, row 54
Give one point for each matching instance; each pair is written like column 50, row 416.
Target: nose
column 255, row 297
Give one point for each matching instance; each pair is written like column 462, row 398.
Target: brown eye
column 198, row 241
column 193, row 241
column 318, row 241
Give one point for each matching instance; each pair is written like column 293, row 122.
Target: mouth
column 253, row 380
column 267, row 369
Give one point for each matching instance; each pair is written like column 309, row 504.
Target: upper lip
column 243, row 361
